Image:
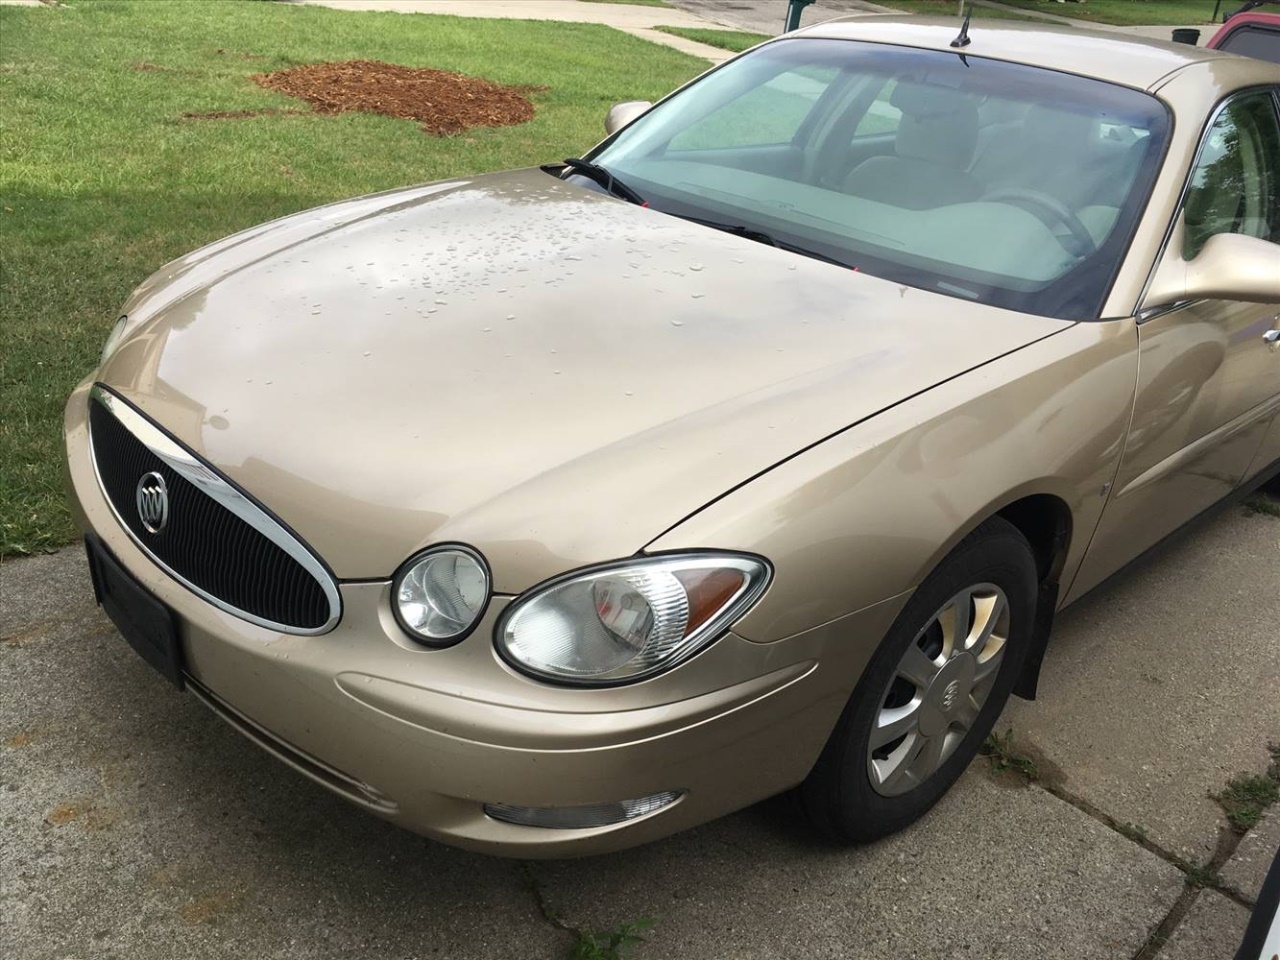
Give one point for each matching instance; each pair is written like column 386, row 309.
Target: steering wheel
column 1051, row 211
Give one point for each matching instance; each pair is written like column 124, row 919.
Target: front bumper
column 426, row 738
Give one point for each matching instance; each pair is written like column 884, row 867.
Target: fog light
column 440, row 595
column 581, row 818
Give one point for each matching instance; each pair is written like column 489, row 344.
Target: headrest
column 926, row 99
column 939, row 125
column 995, row 111
column 1051, row 125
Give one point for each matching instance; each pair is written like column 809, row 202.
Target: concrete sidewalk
column 1152, row 32
column 137, row 825
column 755, row 16
column 636, row 20
column 767, row 16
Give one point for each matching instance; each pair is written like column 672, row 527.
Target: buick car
column 553, row 511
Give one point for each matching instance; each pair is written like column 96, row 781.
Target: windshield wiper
column 602, row 176
column 760, row 236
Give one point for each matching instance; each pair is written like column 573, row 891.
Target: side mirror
column 1230, row 266
column 621, row 114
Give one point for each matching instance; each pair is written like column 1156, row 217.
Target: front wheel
column 932, row 691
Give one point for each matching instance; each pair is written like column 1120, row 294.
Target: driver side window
column 1235, row 187
column 767, row 115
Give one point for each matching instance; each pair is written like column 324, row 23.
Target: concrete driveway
column 137, row 825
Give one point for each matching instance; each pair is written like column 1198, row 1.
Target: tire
column 858, row 792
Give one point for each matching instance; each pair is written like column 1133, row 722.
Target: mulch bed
column 445, row 103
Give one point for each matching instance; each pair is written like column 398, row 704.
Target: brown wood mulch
column 445, row 103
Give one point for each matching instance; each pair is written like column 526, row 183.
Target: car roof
column 1125, row 59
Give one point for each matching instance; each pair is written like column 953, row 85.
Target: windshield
column 994, row 182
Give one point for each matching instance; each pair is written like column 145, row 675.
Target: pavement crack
column 1164, row 929
column 548, row 912
column 1029, row 766
column 1198, row 879
column 1197, row 875
column 611, row 944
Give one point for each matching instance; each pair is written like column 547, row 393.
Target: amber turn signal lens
column 708, row 591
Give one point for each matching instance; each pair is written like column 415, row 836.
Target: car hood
column 549, row 374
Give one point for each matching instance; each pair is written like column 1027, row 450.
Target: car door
column 1208, row 376
column 1268, row 457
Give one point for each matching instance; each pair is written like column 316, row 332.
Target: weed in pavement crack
column 1243, row 800
column 1247, row 795
column 588, row 944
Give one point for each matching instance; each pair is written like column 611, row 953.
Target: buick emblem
column 949, row 695
column 153, row 502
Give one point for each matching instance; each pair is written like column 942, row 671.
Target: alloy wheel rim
column 938, row 689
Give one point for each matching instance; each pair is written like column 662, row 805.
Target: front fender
column 868, row 513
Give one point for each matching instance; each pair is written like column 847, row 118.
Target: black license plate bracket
column 146, row 624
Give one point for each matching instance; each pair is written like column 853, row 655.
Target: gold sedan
column 553, row 511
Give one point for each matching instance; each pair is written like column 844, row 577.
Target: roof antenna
column 963, row 39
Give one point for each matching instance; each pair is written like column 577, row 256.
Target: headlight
column 628, row 620
column 113, row 339
column 439, row 595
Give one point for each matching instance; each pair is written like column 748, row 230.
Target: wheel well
column 1045, row 521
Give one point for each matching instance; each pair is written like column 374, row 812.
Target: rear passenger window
column 1235, row 187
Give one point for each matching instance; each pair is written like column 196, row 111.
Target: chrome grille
column 215, row 539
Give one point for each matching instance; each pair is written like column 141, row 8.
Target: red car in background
column 1251, row 31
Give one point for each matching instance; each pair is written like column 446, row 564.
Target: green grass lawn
column 724, row 39
column 1120, row 12
column 101, row 181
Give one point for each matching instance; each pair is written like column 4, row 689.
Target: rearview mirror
column 1230, row 266
column 621, row 114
